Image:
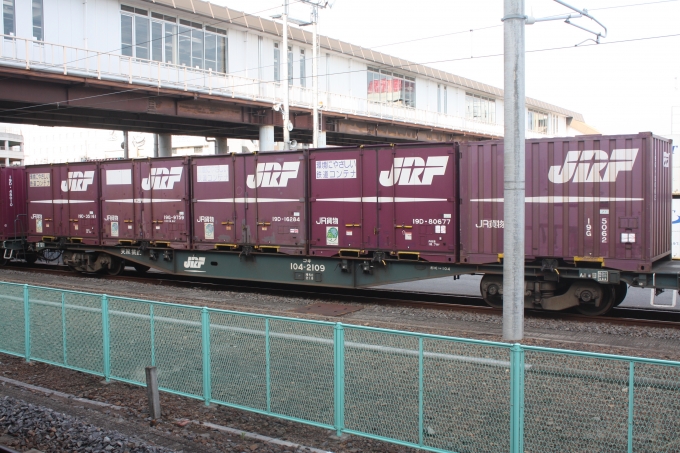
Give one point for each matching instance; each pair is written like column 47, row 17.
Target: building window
column 388, row 87
column 442, row 102
column 290, row 66
column 554, row 124
column 480, row 108
column 8, row 18
column 537, row 122
column 303, row 69
column 160, row 38
column 38, row 20
column 277, row 62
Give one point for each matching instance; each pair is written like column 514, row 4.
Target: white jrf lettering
column 162, row 178
column 77, row 181
column 271, row 174
column 414, row 171
column 593, row 166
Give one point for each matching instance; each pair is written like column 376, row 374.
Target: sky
column 619, row 87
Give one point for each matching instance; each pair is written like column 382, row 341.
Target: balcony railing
column 56, row 58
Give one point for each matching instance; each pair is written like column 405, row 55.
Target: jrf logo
column 414, row 171
column 77, row 181
column 270, row 174
column 194, row 262
column 593, row 166
column 162, row 178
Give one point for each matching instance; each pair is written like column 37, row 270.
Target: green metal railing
column 432, row 392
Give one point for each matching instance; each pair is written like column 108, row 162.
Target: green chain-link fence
column 432, row 392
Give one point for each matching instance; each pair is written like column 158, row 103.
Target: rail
column 30, row 54
column 437, row 393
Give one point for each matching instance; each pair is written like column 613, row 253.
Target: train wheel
column 608, row 300
column 116, row 267
column 141, row 268
column 620, row 290
column 30, row 258
column 491, row 296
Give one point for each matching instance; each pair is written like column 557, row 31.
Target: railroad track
column 623, row 316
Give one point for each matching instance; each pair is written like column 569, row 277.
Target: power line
column 633, row 4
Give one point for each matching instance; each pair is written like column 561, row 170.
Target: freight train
column 598, row 214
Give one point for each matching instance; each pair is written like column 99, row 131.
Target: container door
column 80, row 188
column 118, row 207
column 41, row 212
column 61, row 200
column 213, row 194
column 337, row 198
column 279, row 205
column 166, row 190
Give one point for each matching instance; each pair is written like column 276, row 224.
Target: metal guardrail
column 56, row 58
column 432, row 392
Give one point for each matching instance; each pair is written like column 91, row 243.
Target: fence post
column 152, row 331
column 339, row 377
column 516, row 399
column 420, row 391
column 63, row 326
column 27, row 326
column 107, row 339
column 267, row 365
column 631, row 400
column 205, row 328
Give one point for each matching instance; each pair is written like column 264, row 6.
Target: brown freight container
column 596, row 199
column 13, row 221
column 250, row 200
column 63, row 202
column 146, row 200
column 401, row 200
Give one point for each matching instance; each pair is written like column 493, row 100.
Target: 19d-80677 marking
column 431, row 221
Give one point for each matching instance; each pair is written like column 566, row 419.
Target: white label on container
column 348, row 233
column 212, row 173
column 604, row 211
column 114, row 229
column 294, row 230
column 408, row 236
column 129, row 227
column 119, row 177
column 39, row 180
column 447, row 216
column 209, row 230
column 296, row 214
column 441, row 229
column 332, row 236
column 158, row 227
column 336, row 169
column 38, row 226
column 628, row 238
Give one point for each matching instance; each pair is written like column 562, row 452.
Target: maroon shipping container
column 588, row 199
column 63, row 202
column 397, row 199
column 146, row 200
column 251, row 199
column 13, row 221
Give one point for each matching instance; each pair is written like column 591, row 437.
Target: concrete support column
column 267, row 137
column 164, row 145
column 6, row 161
column 6, row 145
column 322, row 139
column 126, row 145
column 221, row 145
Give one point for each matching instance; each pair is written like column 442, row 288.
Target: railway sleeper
column 587, row 296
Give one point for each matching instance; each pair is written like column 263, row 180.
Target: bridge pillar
column 221, row 145
column 266, row 138
column 322, row 139
column 164, row 145
column 126, row 145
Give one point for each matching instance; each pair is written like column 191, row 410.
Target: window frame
column 480, row 108
column 9, row 4
column 385, row 81
column 41, row 7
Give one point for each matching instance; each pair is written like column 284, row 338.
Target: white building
column 199, row 46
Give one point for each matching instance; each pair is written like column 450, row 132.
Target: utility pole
column 315, row 76
column 284, row 60
column 514, row 160
column 514, row 168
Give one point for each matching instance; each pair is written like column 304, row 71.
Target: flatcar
column 598, row 216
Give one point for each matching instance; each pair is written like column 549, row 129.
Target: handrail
column 35, row 55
